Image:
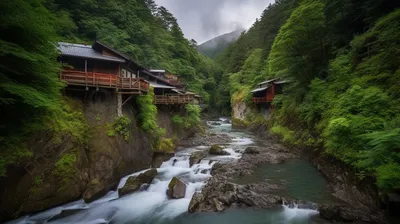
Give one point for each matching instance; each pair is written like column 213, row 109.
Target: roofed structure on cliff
column 100, row 66
column 172, row 79
column 266, row 91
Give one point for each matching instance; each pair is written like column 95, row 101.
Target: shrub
column 286, row 134
column 122, row 126
column 64, row 167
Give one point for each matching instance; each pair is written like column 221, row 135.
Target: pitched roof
column 259, row 89
column 268, row 81
column 160, row 86
column 84, row 51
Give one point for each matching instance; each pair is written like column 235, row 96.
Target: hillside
column 342, row 98
column 215, row 46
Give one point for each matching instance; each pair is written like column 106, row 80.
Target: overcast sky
column 205, row 19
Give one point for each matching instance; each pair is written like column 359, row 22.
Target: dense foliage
column 243, row 60
column 148, row 114
column 30, row 96
column 342, row 58
column 142, row 30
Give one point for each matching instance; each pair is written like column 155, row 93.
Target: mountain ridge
column 216, row 45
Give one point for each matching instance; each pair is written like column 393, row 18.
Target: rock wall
column 87, row 169
column 360, row 193
column 239, row 112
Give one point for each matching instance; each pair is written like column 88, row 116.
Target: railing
column 264, row 99
column 95, row 79
column 173, row 99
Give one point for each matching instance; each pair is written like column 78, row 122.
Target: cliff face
column 239, row 111
column 65, row 168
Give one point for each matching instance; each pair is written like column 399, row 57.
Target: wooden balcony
column 264, row 99
column 173, row 99
column 101, row 80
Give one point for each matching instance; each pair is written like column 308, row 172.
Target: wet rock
column 217, row 150
column 343, row 213
column 252, row 150
column 176, row 189
column 195, row 202
column 94, row 191
column 160, row 157
column 196, row 157
column 218, row 195
column 208, row 139
column 215, row 123
column 134, row 183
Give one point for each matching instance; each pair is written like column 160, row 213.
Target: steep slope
column 343, row 98
column 215, row 46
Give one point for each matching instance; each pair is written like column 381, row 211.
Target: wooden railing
column 173, row 99
column 94, row 79
column 264, row 99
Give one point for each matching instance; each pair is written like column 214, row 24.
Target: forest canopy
column 342, row 59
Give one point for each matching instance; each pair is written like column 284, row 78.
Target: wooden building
column 266, row 91
column 167, row 93
column 100, row 66
column 172, row 79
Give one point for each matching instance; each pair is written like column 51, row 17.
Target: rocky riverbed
column 220, row 193
column 221, row 170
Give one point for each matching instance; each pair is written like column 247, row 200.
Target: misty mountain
column 216, row 45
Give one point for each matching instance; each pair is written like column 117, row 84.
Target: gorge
column 109, row 114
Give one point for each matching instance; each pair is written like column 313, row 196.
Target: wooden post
column 86, row 71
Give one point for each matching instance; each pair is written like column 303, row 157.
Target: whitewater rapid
column 152, row 205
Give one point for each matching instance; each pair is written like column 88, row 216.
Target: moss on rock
column 217, row 150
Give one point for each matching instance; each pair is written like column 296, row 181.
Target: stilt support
column 119, row 105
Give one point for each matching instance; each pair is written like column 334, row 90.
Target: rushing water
column 152, row 205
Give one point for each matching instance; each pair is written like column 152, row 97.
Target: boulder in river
column 160, row 157
column 252, row 150
column 94, row 191
column 196, row 157
column 215, row 123
column 342, row 213
column 134, row 183
column 219, row 194
column 217, row 150
column 176, row 189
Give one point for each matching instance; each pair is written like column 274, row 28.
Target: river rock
column 217, row 150
column 215, row 123
column 160, row 157
column 196, row 157
column 134, row 183
column 342, row 213
column 94, row 191
column 252, row 150
column 218, row 195
column 176, row 189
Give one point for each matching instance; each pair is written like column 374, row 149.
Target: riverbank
column 229, row 181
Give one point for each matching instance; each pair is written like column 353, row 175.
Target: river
column 298, row 178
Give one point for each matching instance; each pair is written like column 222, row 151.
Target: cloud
column 205, row 19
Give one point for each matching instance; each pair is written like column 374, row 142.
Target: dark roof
column 259, row 89
column 84, row 51
column 98, row 43
column 155, row 77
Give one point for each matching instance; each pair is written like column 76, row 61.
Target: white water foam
column 153, row 202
